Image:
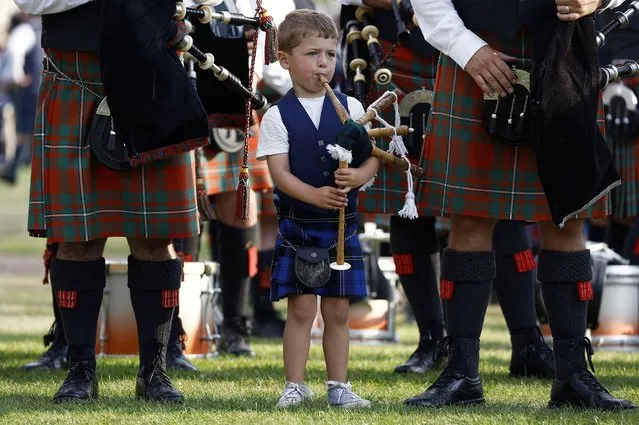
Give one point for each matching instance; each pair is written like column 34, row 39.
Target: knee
column 225, row 210
column 569, row 238
column 335, row 312
column 152, row 249
column 302, row 311
column 81, row 251
column 471, row 233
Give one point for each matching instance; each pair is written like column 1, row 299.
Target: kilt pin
column 74, row 197
column 466, row 171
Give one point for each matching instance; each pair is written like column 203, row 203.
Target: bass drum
column 117, row 329
column 618, row 321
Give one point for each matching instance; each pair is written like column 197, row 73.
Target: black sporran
column 312, row 266
column 509, row 119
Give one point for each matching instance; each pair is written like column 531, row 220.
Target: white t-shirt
column 273, row 134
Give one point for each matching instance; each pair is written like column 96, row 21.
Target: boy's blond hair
column 304, row 23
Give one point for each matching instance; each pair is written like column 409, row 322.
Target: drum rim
column 622, row 271
column 208, row 268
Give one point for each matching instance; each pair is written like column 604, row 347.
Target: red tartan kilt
column 466, row 171
column 73, row 197
column 410, row 72
column 222, row 171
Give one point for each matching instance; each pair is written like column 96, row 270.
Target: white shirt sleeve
column 443, row 29
column 613, row 4
column 21, row 40
column 355, row 108
column 352, row 2
column 45, row 7
column 273, row 138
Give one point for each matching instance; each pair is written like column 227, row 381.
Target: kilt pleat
column 625, row 198
column 222, row 171
column 410, row 72
column 466, row 171
column 74, row 197
column 301, row 229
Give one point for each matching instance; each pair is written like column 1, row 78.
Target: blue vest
column 504, row 17
column 307, row 155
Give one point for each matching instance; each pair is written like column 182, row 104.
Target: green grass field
column 244, row 391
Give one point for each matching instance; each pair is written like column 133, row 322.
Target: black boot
column 515, row 287
column 55, row 358
column 565, row 283
column 267, row 323
column 416, row 272
column 175, row 358
column 581, row 388
column 235, row 338
column 79, row 286
column 465, row 288
column 238, row 264
column 154, row 289
column 423, row 359
column 81, row 382
column 459, row 384
column 531, row 356
column 153, row 383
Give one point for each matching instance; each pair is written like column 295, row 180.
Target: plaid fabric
column 467, row 173
column 265, row 205
column 74, row 198
column 310, row 229
column 222, row 171
column 625, row 198
column 410, row 72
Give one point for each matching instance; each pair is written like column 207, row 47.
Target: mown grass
column 244, row 391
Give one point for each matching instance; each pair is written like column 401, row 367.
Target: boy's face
column 313, row 57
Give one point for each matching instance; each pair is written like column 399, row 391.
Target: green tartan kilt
column 625, row 198
column 410, row 72
column 222, row 170
column 466, row 171
column 73, row 197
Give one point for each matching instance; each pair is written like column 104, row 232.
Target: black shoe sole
column 473, row 402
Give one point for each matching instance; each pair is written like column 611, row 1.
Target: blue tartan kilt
column 304, row 228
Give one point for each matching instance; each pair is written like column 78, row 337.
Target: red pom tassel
column 242, row 196
column 270, row 44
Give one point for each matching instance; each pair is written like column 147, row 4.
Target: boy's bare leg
column 335, row 340
column 297, row 335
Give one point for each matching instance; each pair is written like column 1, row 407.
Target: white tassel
column 410, row 209
column 367, row 184
column 339, row 153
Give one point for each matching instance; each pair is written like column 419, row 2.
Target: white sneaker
column 293, row 395
column 340, row 395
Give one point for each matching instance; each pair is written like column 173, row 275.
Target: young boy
column 309, row 192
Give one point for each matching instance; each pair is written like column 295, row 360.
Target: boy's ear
column 282, row 57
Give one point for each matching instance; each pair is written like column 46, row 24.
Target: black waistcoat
column 504, row 17
column 75, row 29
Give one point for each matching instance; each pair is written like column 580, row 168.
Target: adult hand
column 378, row 4
column 490, row 71
column 248, row 35
column 571, row 10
